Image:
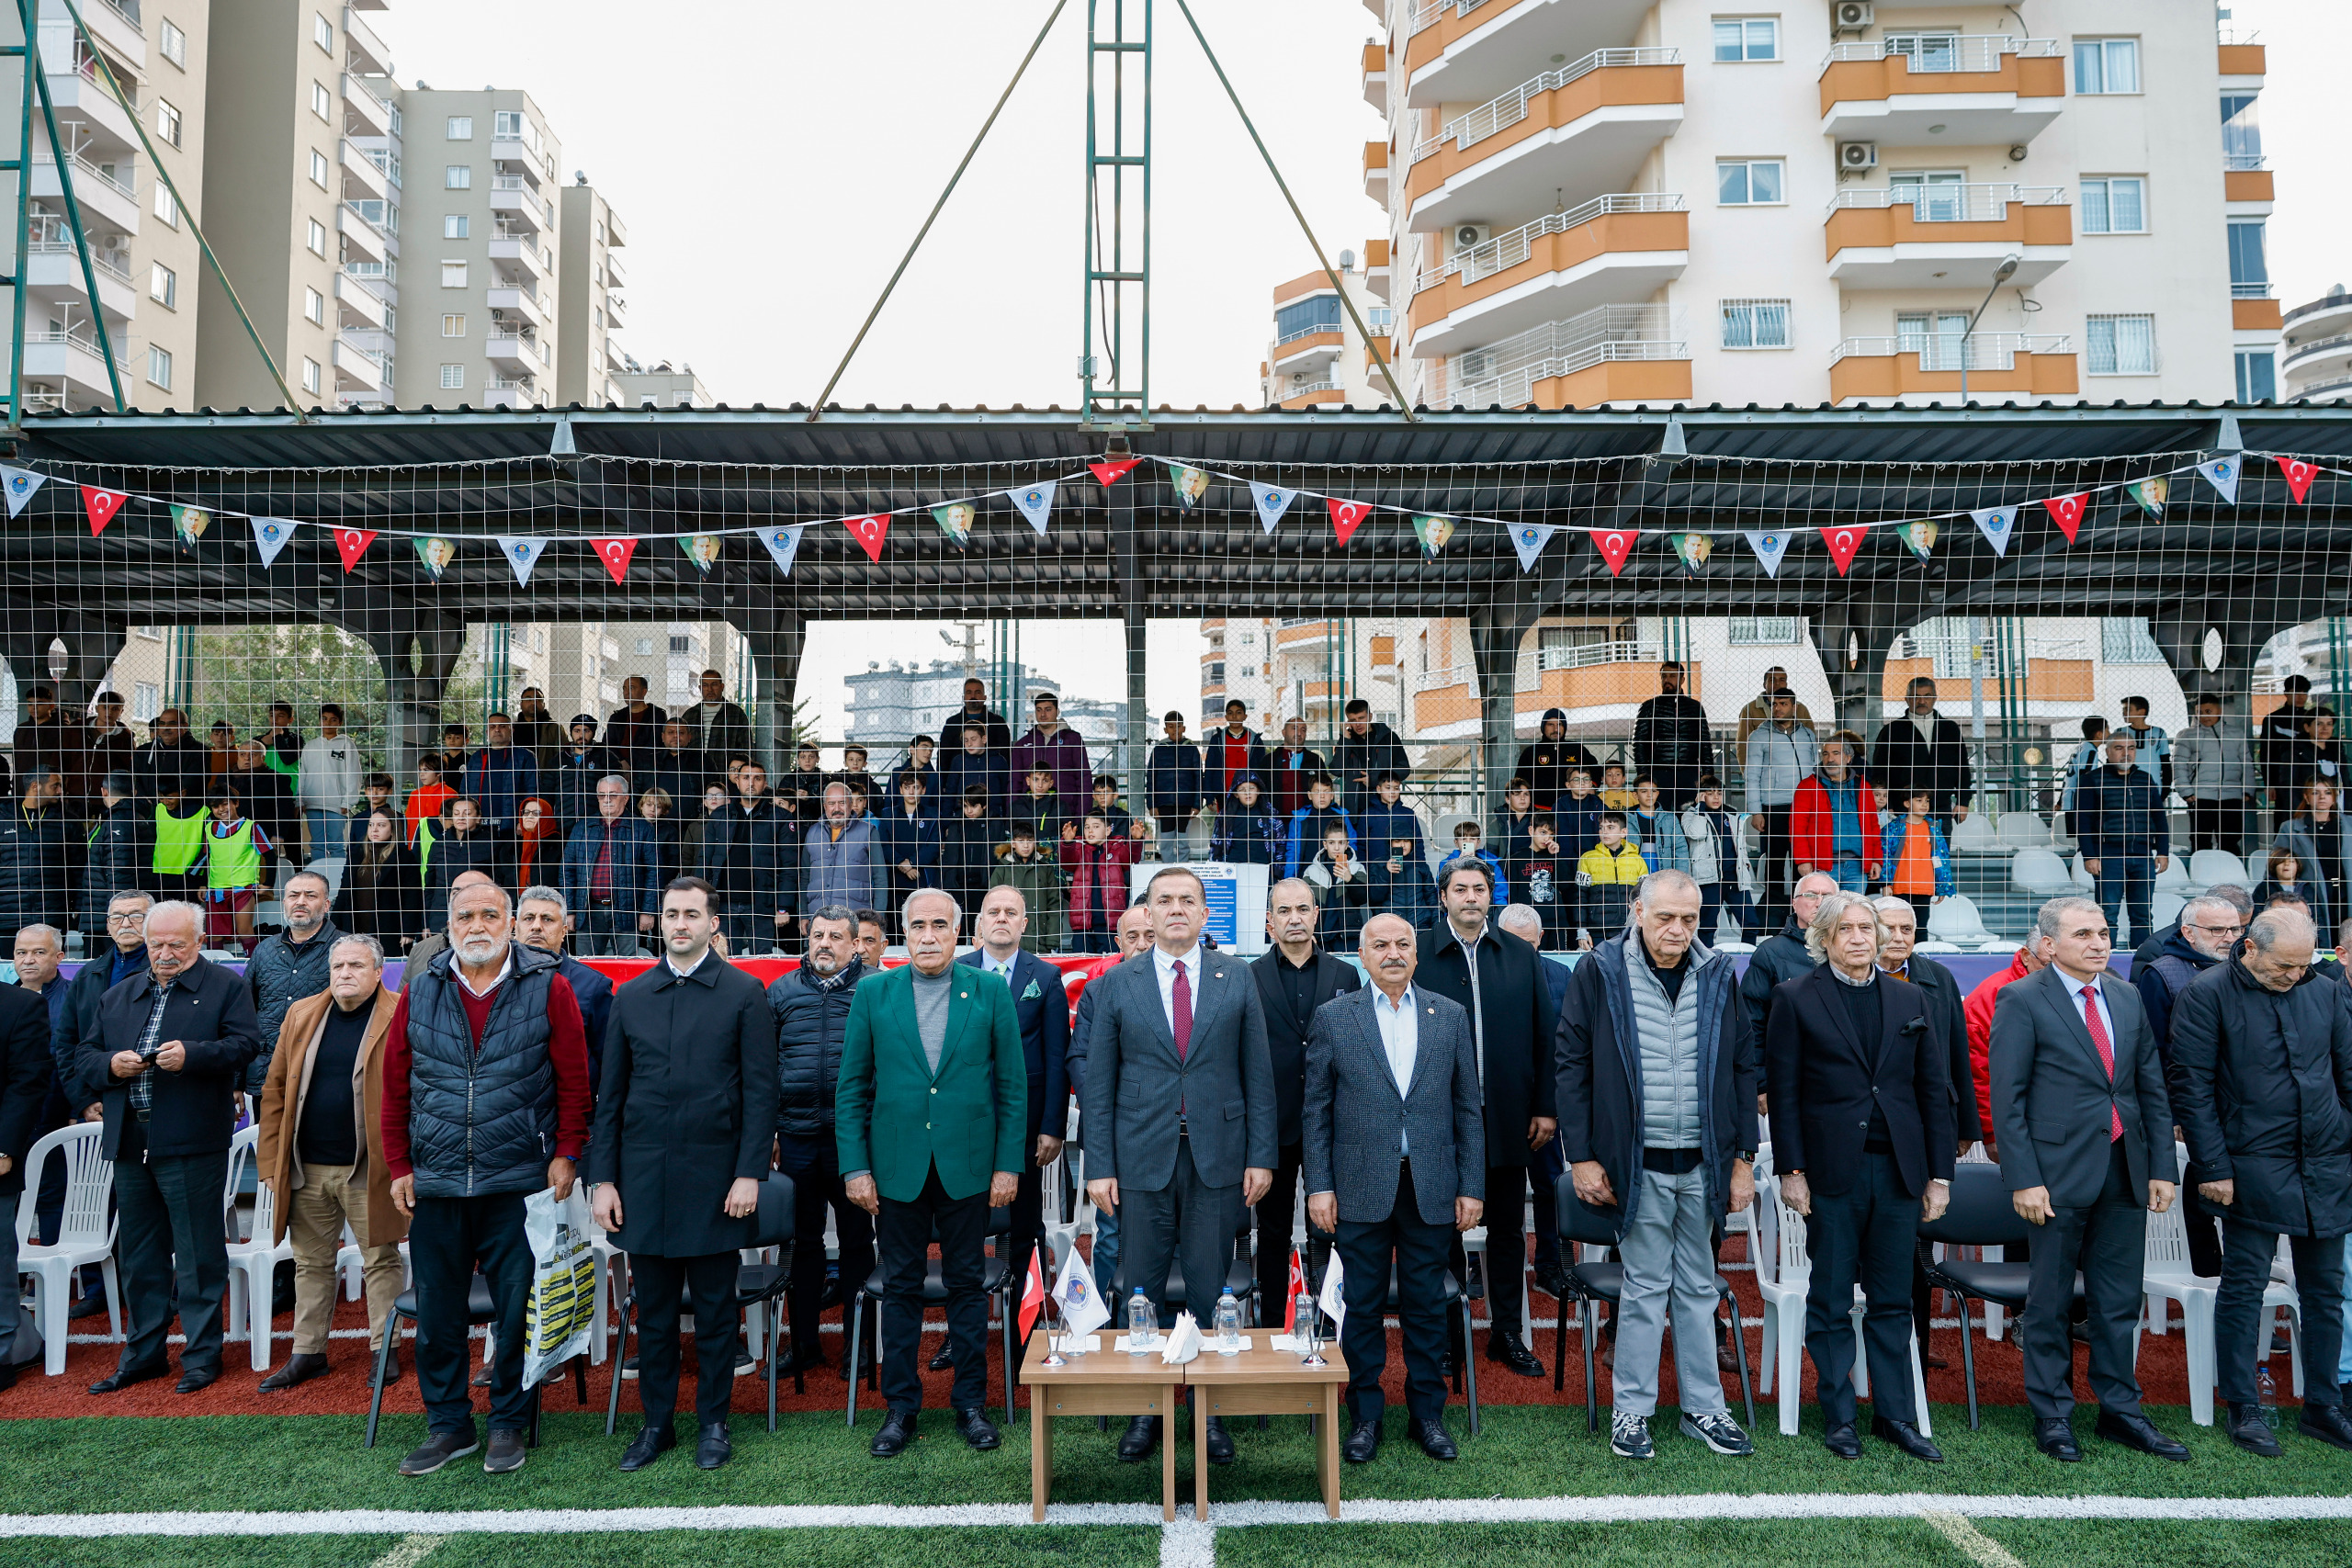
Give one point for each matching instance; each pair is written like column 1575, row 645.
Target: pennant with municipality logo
column 1434, row 532
column 20, row 484
column 955, row 520
column 1190, row 484
column 1615, row 544
column 703, row 549
column 436, row 553
column 522, row 553
column 616, row 554
column 783, row 544
column 1077, row 1300
column 1691, row 549
column 189, row 524
column 2151, row 494
column 2300, row 475
column 351, row 544
column 1995, row 522
column 2066, row 511
column 1036, row 504
column 1347, row 516
column 101, row 505
column 1529, row 539
column 1769, row 547
column 1272, row 503
column 270, row 534
column 1918, row 538
column 2222, row 473
column 871, row 532
column 1843, row 543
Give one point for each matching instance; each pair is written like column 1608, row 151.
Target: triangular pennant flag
column 1995, row 523
column 1691, row 549
column 19, row 485
column 1347, row 516
column 101, row 505
column 522, row 553
column 2066, row 511
column 1770, row 548
column 2150, row 493
column 1843, row 543
column 870, row 531
column 616, row 554
column 270, row 534
column 1529, row 539
column 783, row 544
column 1272, row 503
column 1434, row 532
column 703, row 551
column 1334, row 1297
column 1032, row 1295
column 1190, row 484
column 189, row 524
column 437, row 554
column 1615, row 545
column 2300, row 476
column 1920, row 536
column 1036, row 502
column 955, row 520
column 351, row 544
column 1111, row 471
column 1291, row 1292
column 2222, row 473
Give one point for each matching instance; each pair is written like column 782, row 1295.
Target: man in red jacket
column 1832, row 822
column 1978, row 1010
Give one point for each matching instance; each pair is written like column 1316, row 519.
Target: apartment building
column 587, row 360
column 662, row 385
column 2316, row 350
column 1317, row 354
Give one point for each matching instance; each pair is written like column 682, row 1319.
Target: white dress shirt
column 689, row 969
column 506, row 967
column 1003, row 971
column 1400, row 1036
column 1164, row 967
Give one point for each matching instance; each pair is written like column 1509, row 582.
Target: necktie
column 1183, row 998
column 2106, row 1054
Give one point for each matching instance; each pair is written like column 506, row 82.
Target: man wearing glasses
column 2210, row 927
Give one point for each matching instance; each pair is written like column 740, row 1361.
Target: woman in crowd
column 538, row 844
column 379, row 897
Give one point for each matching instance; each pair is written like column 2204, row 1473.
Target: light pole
column 2002, row 274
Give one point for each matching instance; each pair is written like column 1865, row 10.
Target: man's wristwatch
column 1746, row 1156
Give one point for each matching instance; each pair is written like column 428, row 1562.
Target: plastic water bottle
column 2266, row 1395
column 1228, row 1325
column 1140, row 1328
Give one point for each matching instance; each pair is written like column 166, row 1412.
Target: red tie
column 1183, row 998
column 2106, row 1054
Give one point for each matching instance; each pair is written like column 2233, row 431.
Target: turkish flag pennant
column 1112, row 470
column 1843, row 543
column 1615, row 545
column 1032, row 1291
column 615, row 555
column 2300, row 476
column 2066, row 511
column 1347, row 516
column 871, row 532
column 351, row 544
column 101, row 505
column 1298, row 1288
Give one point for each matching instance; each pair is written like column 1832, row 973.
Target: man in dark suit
column 26, row 1066
column 1043, row 1008
column 1492, row 977
column 1295, row 977
column 929, row 1119
column 1180, row 1114
column 542, row 916
column 1395, row 1139
column 684, row 1130
column 1861, row 1130
column 2084, row 1129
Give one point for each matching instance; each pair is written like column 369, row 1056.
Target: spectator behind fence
column 1781, row 755
column 1387, row 818
column 40, row 854
column 1232, row 751
column 801, row 790
column 906, row 841
column 1342, row 885
column 1054, row 746
column 1718, row 860
column 465, row 843
column 1507, row 832
column 1833, row 818
column 1366, row 749
column 996, row 735
column 2125, row 833
column 502, row 776
column 1671, row 740
column 633, row 730
column 751, row 853
column 329, row 782
column 839, row 861
column 1321, row 813
column 2153, row 756
column 1247, row 832
column 1467, row 845
column 577, row 769
column 679, row 767
column 382, row 896
column 1097, row 863
column 716, row 727
column 534, row 729
column 611, row 864
column 289, row 965
column 1920, row 749
column 2315, row 836
column 1291, row 767
column 543, row 919
column 1756, row 711
column 2275, row 740
column 48, row 738
column 917, row 766
column 971, row 765
column 1576, row 816
column 1545, row 761
column 425, row 801
column 1035, row 872
column 117, row 854
column 1607, row 874
column 537, row 842
column 234, row 867
column 2213, row 770
column 968, row 835
column 1174, row 789
column 173, row 761
column 1656, row 831
column 113, row 747
column 1917, row 860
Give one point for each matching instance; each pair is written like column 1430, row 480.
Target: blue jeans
column 330, row 833
column 2128, row 881
column 1106, row 1255
column 1848, row 872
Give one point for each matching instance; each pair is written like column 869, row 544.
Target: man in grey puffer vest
column 290, row 965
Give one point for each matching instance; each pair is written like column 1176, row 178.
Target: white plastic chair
column 2164, row 907
column 1977, row 836
column 2213, row 868
column 2167, row 1277
column 2174, row 877
column 2040, row 871
column 2084, row 880
column 2024, row 830
column 254, row 1258
column 1957, row 920
column 85, row 1234
column 331, row 867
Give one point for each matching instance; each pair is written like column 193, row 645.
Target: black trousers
column 170, row 1228
column 1187, row 1218
column 2217, row 825
column 2202, row 1220
column 1273, row 1219
column 448, row 1239
column 905, row 1232
column 2106, row 1239
column 1862, row 1236
column 1419, row 1250
column 1775, row 866
column 1505, row 1222
column 662, row 1285
column 813, row 1163
column 2239, row 1338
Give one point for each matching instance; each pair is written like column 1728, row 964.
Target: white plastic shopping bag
column 563, row 1281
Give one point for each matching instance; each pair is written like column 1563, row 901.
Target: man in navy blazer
column 1043, row 1008
column 2085, row 1130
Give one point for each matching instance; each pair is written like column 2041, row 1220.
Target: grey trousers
column 1668, row 1251
column 1187, row 1218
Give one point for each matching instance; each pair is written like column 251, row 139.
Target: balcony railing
column 1953, row 203
column 128, row 10
column 2334, row 301
column 1310, row 386
column 1941, row 54
column 1294, row 334
column 1427, row 15
column 1507, row 372
column 1583, row 656
column 83, row 168
column 61, row 243
column 2250, row 290
column 2342, row 383
column 2240, row 162
column 1507, row 250
column 1943, row 351
column 88, row 345
column 1501, row 113
column 2337, row 343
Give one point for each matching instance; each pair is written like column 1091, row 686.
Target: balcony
column 1972, row 91
column 1612, row 250
column 79, row 99
column 1950, row 236
column 1909, row 367
column 2244, row 59
column 362, row 180
column 69, row 362
column 1465, row 51
column 1376, row 76
column 1571, row 133
column 1617, row 353
column 520, row 254
column 365, row 52
column 616, row 310
column 1618, row 676
column 360, row 235
column 1375, row 171
column 106, row 200
column 2048, row 679
column 53, row 272
column 515, row 205
column 1375, row 269
column 356, row 370
column 500, row 392
column 364, row 113
column 359, row 308
column 2321, row 391
column 1311, row 393
column 2248, row 192
column 510, row 348
column 116, row 25
column 2251, row 309
column 523, row 303
column 1307, row 350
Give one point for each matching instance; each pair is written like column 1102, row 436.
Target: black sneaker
column 506, row 1451
column 438, row 1450
column 1629, row 1436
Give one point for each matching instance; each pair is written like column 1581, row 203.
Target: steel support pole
column 27, row 54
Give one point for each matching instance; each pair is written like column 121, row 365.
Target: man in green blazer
column 929, row 1115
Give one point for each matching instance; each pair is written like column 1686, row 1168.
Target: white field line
column 1980, row 1548
column 411, row 1552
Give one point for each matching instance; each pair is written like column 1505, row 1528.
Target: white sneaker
column 1718, row 1431
column 1629, row 1436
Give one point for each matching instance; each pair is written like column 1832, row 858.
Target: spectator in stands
column 173, row 761
column 2274, row 740
column 968, row 843
column 679, row 768
column 456, row 752
column 577, row 769
column 1921, row 749
column 1041, row 1007
column 715, row 727
column 1387, row 818
column 382, row 895
column 538, row 841
column 49, row 739
column 1035, row 874
column 2315, row 836
column 2126, row 838
column 2282, row 877
column 1366, row 749
column 1544, row 762
column 2082, row 764
column 1614, row 796
column 1758, row 710
column 1978, row 1010
column 871, row 943
column 40, row 854
column 285, row 745
column 534, row 729
column 329, row 781
column 117, row 856
column 1106, row 805
column 1545, row 881
column 633, row 731
column 1059, row 749
column 1782, row 956
column 289, row 965
column 1310, row 821
column 1655, row 832
column 2154, row 757
column 996, row 734
column 465, row 843
column 502, row 776
column 1718, row 863
column 1607, row 874
column 1917, row 863
column 1466, row 846
column 1781, row 756
column 854, row 773
column 2213, row 770
column 1247, row 832
column 2318, row 757
column 1833, row 821
column 236, row 850
column 906, row 842
column 430, row 796
column 802, row 789
column 2208, row 929
column 972, row 765
column 1290, row 767
column 1507, row 830
column 375, row 794
column 113, row 747
column 839, row 863
column 1096, row 863
column 1671, row 742
column 1401, row 882
column 751, row 852
column 920, row 765
column 269, row 801
column 1042, row 807
column 611, row 871
column 1576, row 816
column 1342, row 885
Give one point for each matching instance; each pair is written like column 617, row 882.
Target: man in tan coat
column 321, row 1151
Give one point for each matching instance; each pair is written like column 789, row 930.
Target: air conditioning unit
column 1857, row 155
column 1466, row 235
column 1851, row 16
column 1474, row 367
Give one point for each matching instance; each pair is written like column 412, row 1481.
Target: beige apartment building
column 587, row 360
column 663, row 385
column 1318, row 356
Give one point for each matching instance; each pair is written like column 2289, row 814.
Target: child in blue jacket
column 1247, row 832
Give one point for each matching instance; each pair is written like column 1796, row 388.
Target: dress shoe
column 7, row 1376
column 1935, row 1363
column 2137, row 1431
column 438, row 1450
column 1553, row 1281
column 123, row 1377
column 296, row 1370
column 944, row 1360
column 1435, row 1440
column 506, row 1452
column 192, row 1381
column 800, row 1364
column 1219, row 1442
column 2056, row 1439
column 1508, row 1349
column 1843, row 1441
column 481, row 1378
column 90, row 1305
column 2327, row 1423
column 1141, row 1436
column 1908, row 1437
column 649, row 1444
column 1363, row 1444
column 972, row 1425
column 898, row 1431
column 2249, row 1431
column 714, row 1447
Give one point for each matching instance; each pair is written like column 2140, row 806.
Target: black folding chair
column 756, row 1284
column 1595, row 1283
column 1980, row 1215
column 1457, row 1316
column 996, row 1280
column 480, row 1309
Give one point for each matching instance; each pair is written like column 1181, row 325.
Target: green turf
column 119, row 1463
column 2325, row 1543
column 1045, row 1547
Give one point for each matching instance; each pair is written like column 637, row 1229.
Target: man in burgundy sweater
column 486, row 1101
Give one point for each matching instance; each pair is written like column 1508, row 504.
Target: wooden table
column 1101, row 1383
column 1261, row 1380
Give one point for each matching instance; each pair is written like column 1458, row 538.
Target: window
column 167, row 121
column 1319, row 314
column 2249, row 266
column 453, row 275
column 318, row 238
column 163, row 285
column 321, row 101
column 167, row 206
column 1749, row 182
column 311, row 376
column 1935, row 336
column 453, row 377
column 173, row 44
column 2241, row 131
column 2114, row 205
column 457, row 177
column 511, row 124
column 1937, row 195
column 314, row 307
column 318, row 168
column 2257, row 375
column 679, row 644
column 396, row 130
column 159, row 366
column 2107, row 65
column 1217, row 674
column 644, row 645
column 455, row 226
column 146, row 697
column 454, row 324
column 1756, row 324
column 1748, row 38
column 461, row 127
column 2121, row 345
column 600, row 230
column 322, row 32
column 1765, row 631
column 1925, row 51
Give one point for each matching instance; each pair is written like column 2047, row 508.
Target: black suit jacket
column 1519, row 1020
column 1044, row 1040
column 25, row 1066
column 195, row 1109
column 1286, row 1031
column 2052, row 1095
column 1824, row 1082
column 1948, row 1027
